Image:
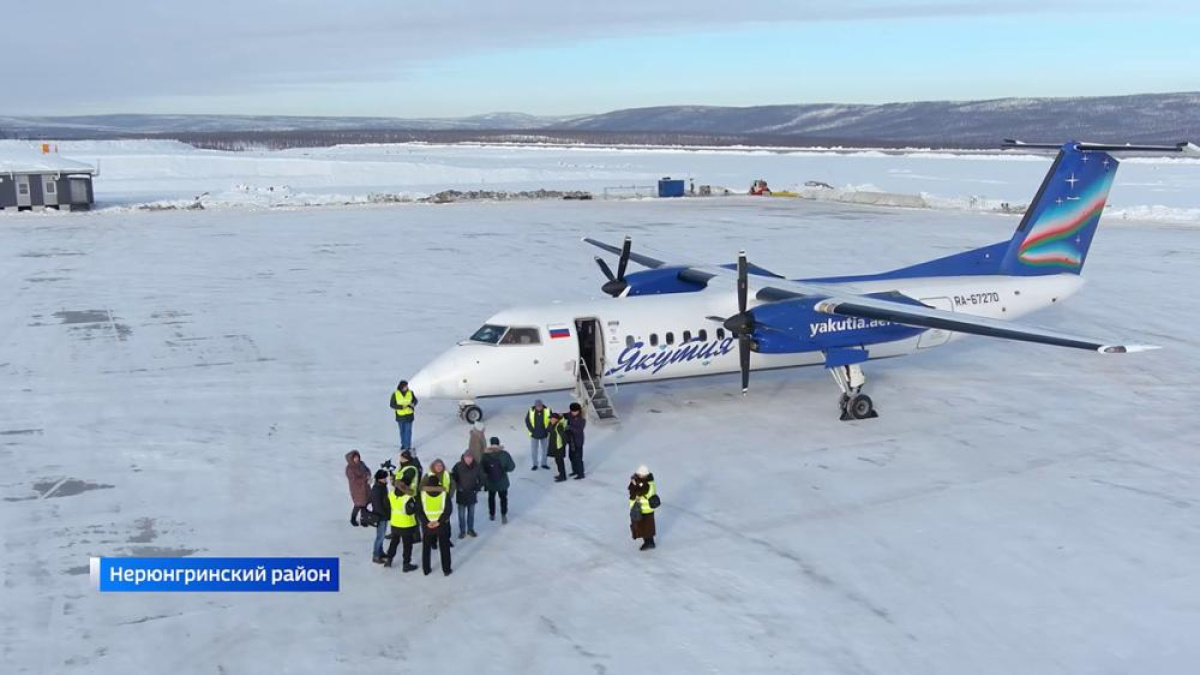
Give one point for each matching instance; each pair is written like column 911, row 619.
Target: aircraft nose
column 438, row 379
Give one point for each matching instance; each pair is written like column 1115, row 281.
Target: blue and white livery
column 676, row 320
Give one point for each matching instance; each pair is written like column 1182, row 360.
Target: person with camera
column 381, row 513
column 358, row 475
column 643, row 501
column 497, row 464
column 403, row 502
column 434, row 516
column 467, row 478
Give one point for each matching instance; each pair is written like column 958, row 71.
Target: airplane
column 679, row 320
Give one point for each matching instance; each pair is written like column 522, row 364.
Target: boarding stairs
column 593, row 393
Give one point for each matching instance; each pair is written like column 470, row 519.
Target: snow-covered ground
column 167, row 173
column 186, row 383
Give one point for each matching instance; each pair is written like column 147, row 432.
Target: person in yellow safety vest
column 438, row 471
column 404, row 523
column 409, row 472
column 643, row 501
column 404, row 402
column 434, row 516
column 558, row 445
column 537, row 422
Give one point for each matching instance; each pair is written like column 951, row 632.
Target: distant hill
column 92, row 126
column 1137, row 118
column 1141, row 117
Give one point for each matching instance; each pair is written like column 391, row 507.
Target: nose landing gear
column 854, row 404
column 469, row 412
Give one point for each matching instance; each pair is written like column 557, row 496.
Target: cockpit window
column 489, row 333
column 521, row 336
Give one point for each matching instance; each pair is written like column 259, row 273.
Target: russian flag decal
column 559, row 332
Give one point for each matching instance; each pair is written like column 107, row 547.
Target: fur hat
column 642, row 471
column 381, row 474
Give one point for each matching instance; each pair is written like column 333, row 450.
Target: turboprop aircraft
column 676, row 320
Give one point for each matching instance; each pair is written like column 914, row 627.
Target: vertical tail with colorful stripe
column 1058, row 227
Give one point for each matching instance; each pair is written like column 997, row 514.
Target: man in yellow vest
column 404, row 402
column 404, row 523
column 434, row 516
column 409, row 472
column 537, row 422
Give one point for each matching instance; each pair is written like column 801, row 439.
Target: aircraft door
column 591, row 345
column 935, row 337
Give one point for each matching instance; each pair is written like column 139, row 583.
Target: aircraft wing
column 837, row 302
column 928, row 317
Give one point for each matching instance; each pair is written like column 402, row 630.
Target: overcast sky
column 446, row 58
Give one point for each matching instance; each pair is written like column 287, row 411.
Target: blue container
column 667, row 187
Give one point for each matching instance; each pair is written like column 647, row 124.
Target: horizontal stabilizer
column 1184, row 147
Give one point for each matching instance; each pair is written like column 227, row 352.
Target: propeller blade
column 743, row 282
column 623, row 263
column 718, row 319
column 605, row 268
column 744, row 357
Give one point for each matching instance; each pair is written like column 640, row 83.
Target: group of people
column 552, row 434
column 416, row 505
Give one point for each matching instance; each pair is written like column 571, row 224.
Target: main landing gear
column 469, row 412
column 854, row 404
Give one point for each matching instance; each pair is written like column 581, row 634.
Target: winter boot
column 409, row 568
column 462, row 535
column 471, row 533
column 504, row 519
column 647, row 544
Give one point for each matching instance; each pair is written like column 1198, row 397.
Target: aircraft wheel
column 861, row 407
column 472, row 414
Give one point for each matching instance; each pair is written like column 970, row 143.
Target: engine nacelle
column 661, row 281
column 794, row 326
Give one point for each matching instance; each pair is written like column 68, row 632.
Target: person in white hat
column 643, row 502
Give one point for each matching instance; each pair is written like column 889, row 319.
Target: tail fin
column 1057, row 230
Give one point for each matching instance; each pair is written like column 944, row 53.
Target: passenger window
column 720, row 333
column 521, row 336
column 670, row 338
column 629, row 340
column 654, row 339
column 703, row 335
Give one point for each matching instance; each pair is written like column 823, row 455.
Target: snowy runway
column 186, row 384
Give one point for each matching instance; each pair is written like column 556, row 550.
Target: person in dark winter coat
column 497, row 464
column 576, row 421
column 467, row 478
column 558, row 445
column 537, row 422
column 643, row 500
column 359, row 478
column 381, row 507
column 433, row 512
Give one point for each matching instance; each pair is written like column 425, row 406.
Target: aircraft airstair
column 595, row 395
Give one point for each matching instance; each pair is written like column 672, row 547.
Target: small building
column 30, row 180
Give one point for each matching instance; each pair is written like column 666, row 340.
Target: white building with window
column 30, row 179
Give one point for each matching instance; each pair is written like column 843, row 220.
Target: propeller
column 742, row 324
column 616, row 284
